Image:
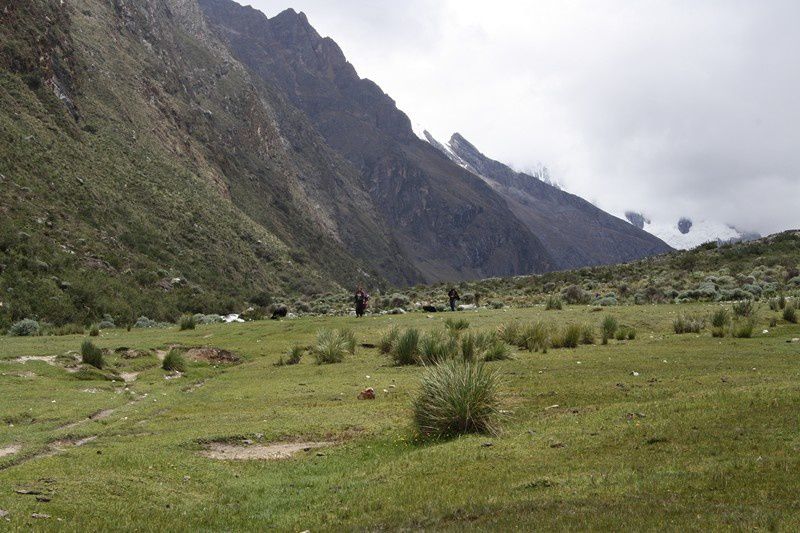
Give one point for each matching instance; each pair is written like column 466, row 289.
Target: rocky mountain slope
column 574, row 232
column 168, row 156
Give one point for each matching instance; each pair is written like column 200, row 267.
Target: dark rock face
column 684, row 225
column 449, row 224
column 574, row 232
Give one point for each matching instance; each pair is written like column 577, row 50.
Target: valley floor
column 676, row 432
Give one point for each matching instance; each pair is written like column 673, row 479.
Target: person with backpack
column 361, row 300
column 454, row 297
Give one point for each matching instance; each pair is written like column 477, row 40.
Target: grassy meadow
column 666, row 431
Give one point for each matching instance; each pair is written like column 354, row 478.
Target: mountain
column 687, row 233
column 169, row 156
column 448, row 222
column 575, row 232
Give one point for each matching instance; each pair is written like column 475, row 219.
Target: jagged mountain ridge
column 575, row 232
column 161, row 156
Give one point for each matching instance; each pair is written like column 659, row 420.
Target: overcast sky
column 668, row 107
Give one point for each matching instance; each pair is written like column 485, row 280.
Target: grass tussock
column 332, row 346
column 553, row 303
column 187, row 322
column 459, row 324
column 174, row 362
column 91, row 354
column 405, row 350
column 608, row 327
column 294, row 356
column 457, row 398
column 688, row 324
column 387, row 340
column 790, row 314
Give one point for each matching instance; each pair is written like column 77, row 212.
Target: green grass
column 705, row 436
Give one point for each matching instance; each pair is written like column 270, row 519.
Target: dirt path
column 271, row 452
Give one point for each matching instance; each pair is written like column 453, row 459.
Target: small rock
column 556, row 406
column 487, row 444
column 556, row 444
column 32, row 492
column 186, row 478
column 43, row 499
column 634, row 373
column 40, row 515
column 320, row 454
column 3, row 513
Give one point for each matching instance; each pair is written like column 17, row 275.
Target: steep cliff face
column 575, row 232
column 449, row 223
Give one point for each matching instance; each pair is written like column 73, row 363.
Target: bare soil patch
column 226, row 451
column 11, row 449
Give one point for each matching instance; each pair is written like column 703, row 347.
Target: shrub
column 717, row 332
column 621, row 334
column 575, row 295
column 587, row 334
column 720, row 318
column 553, row 303
column 331, row 347
column 631, row 334
column 187, row 322
column 398, row 300
column 744, row 308
column 456, row 325
column 607, row 301
column 24, row 328
column 789, row 314
column 174, row 362
column 468, row 348
column 202, row 319
column 609, row 327
column 69, row 329
column 144, row 322
column 744, row 328
column 91, row 354
column 387, row 340
column 687, row 324
column 496, row 304
column 94, row 331
column 406, row 350
column 497, row 351
column 436, row 347
column 456, row 398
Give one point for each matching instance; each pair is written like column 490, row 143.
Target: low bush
column 187, row 322
column 91, row 354
column 144, row 322
column 457, row 398
column 790, row 314
column 331, row 347
column 69, row 329
column 94, row 331
column 24, row 328
column 174, row 362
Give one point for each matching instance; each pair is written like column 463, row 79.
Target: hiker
column 361, row 301
column 454, row 297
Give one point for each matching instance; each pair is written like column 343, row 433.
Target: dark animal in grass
column 429, row 308
column 367, row 394
column 280, row 312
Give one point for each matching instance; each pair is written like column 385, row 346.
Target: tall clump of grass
column 511, row 333
column 405, row 350
column 387, row 341
column 91, row 354
column 743, row 329
column 499, row 350
column 187, row 322
column 535, row 337
column 790, row 314
column 174, row 361
column 349, row 339
column 436, row 347
column 331, row 347
column 744, row 308
column 293, row 357
column 553, row 303
column 719, row 322
column 587, row 334
column 609, row 327
column 688, row 324
column 569, row 337
column 456, row 325
column 469, row 348
column 457, row 398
